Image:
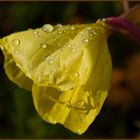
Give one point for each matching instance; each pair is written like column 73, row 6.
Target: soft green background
column 18, row 117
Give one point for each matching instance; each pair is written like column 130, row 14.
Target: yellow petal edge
column 67, row 68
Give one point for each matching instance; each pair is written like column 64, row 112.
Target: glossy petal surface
column 67, row 67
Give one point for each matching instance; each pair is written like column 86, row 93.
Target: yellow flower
column 67, row 68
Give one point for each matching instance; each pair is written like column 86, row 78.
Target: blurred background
column 120, row 115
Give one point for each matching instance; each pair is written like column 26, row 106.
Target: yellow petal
column 15, row 74
column 70, row 67
column 65, row 51
column 77, row 108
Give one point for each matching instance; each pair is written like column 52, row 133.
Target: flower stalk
column 119, row 24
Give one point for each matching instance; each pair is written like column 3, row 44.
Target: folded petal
column 67, row 67
column 78, row 107
column 15, row 74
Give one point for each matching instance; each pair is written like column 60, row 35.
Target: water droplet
column 104, row 19
column 89, row 28
column 60, row 32
column 72, row 28
column 69, row 45
column 49, row 60
column 79, row 131
column 43, row 45
column 54, row 122
column 92, row 32
column 47, row 28
column 51, row 120
column 76, row 74
column 85, row 41
column 36, row 34
column 59, row 25
column 15, row 42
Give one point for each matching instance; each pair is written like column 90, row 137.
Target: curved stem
column 119, row 23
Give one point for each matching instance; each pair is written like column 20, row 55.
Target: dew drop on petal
column 60, row 32
column 76, row 74
column 69, row 45
column 85, row 40
column 47, row 28
column 15, row 42
column 72, row 28
column 103, row 19
column 59, row 25
column 49, row 60
column 79, row 131
column 92, row 32
column 54, row 122
column 89, row 28
column 36, row 34
column 43, row 45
